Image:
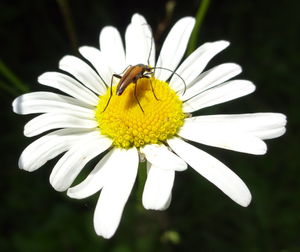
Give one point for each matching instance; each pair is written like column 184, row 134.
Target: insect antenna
column 202, row 91
column 173, row 72
column 148, row 61
column 155, row 67
column 151, row 43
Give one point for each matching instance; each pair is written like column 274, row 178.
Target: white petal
column 226, row 138
column 212, row 78
column 225, row 92
column 196, row 62
column 82, row 72
column 49, row 146
column 96, row 179
column 99, row 62
column 138, row 38
column 115, row 193
column 130, row 43
column 158, row 188
column 111, row 46
column 49, row 121
column 72, row 162
column 271, row 133
column 146, row 38
column 174, row 47
column 160, row 156
column 262, row 125
column 42, row 102
column 213, row 170
column 69, row 86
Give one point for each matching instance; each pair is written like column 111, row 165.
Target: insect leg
column 137, row 98
column 153, row 90
column 148, row 77
column 111, row 82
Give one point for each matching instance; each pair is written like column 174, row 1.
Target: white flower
column 87, row 122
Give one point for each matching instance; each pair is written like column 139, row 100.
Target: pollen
column 128, row 125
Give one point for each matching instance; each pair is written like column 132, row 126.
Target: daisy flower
column 151, row 120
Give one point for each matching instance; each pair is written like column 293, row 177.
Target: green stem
column 199, row 20
column 69, row 25
column 9, row 75
column 8, row 89
column 142, row 175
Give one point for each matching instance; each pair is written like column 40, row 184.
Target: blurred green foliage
column 264, row 37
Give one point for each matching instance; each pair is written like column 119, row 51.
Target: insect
column 132, row 74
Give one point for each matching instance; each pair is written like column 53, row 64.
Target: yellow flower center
column 125, row 122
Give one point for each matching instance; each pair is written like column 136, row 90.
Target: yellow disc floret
column 128, row 125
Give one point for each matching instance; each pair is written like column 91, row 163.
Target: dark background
column 264, row 39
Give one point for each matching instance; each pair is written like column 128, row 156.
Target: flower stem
column 69, row 25
column 8, row 89
column 19, row 86
column 199, row 19
column 142, row 174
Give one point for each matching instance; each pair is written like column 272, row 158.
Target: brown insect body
column 132, row 74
